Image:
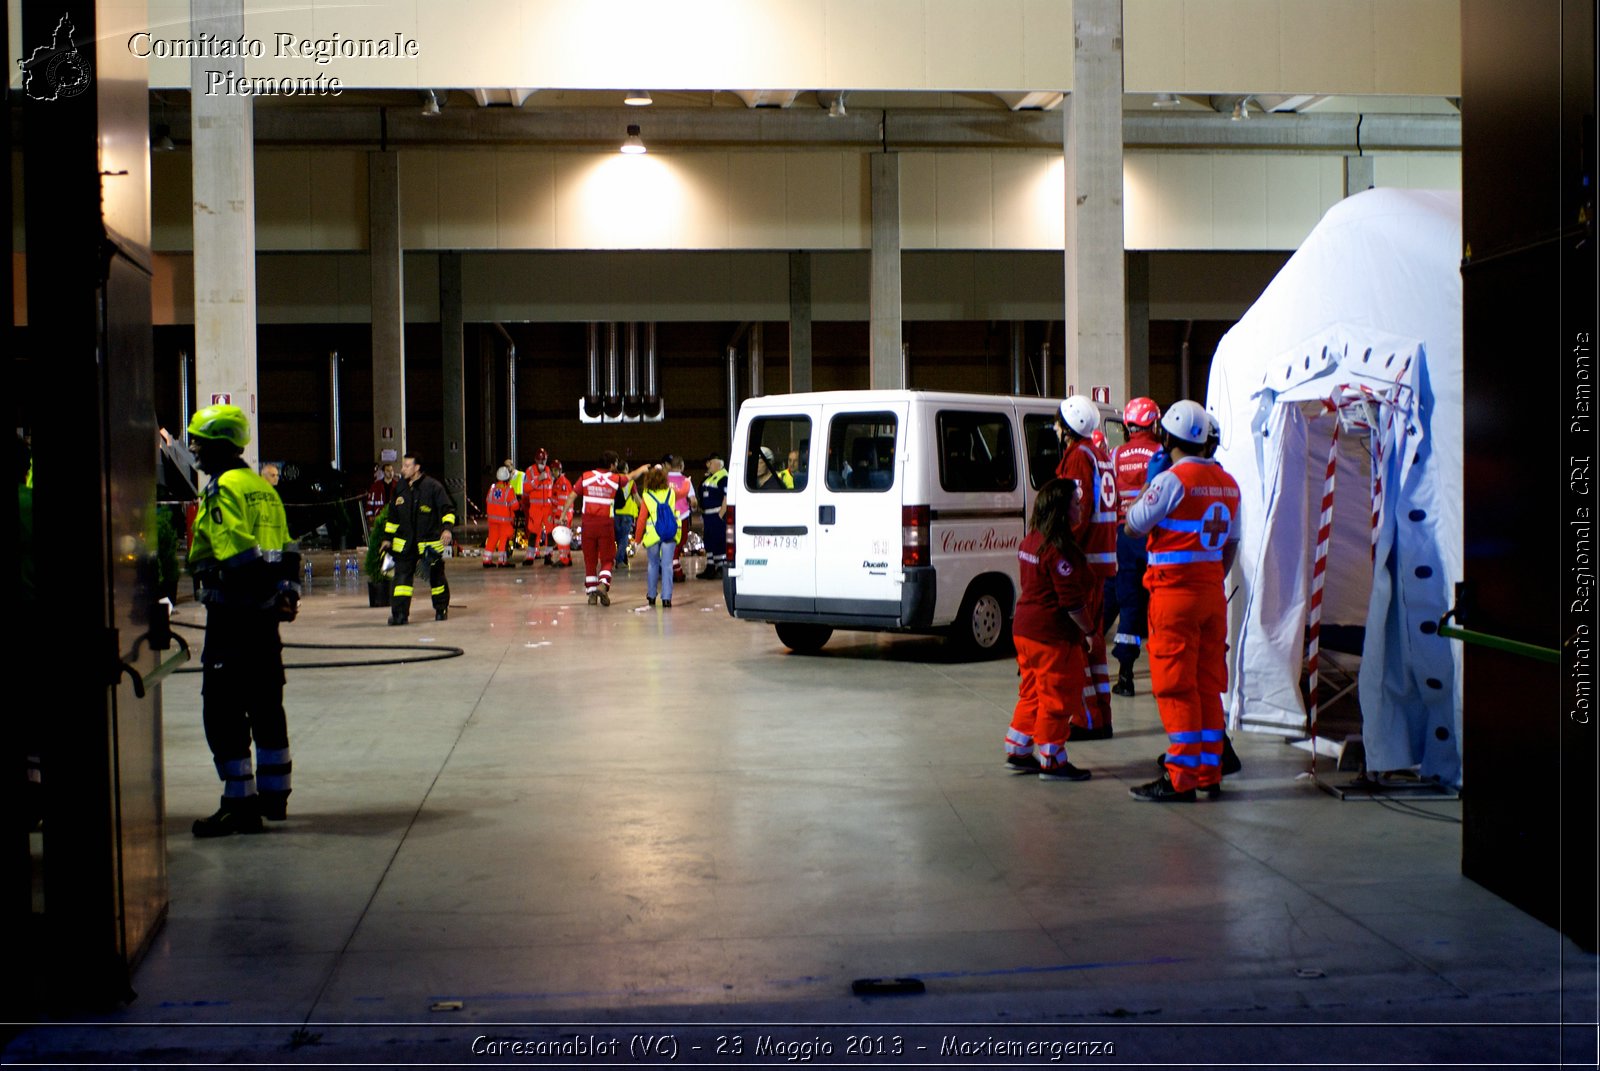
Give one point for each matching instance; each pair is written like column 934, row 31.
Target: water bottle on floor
column 306, row 584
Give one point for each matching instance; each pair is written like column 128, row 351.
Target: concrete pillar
column 452, row 347
column 388, row 308
column 223, row 161
column 1096, row 354
column 1138, row 327
column 1360, row 173
column 888, row 361
column 799, row 322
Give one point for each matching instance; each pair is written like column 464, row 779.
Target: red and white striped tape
column 1319, row 570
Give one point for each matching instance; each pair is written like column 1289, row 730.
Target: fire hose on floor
column 429, row 653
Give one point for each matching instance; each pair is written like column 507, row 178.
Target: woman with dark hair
column 1051, row 631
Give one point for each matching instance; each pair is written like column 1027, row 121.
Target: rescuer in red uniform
column 500, row 503
column 560, row 513
column 1096, row 533
column 597, row 488
column 1191, row 515
column 1126, row 600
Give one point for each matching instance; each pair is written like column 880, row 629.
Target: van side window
column 1044, row 447
column 778, row 454
column 976, row 452
column 861, row 451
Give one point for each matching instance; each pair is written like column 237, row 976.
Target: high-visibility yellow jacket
column 242, row 551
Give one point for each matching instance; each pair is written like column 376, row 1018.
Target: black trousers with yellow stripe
column 431, row 557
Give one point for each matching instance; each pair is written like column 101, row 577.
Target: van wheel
column 983, row 627
column 803, row 639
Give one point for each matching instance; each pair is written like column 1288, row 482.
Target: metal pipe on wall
column 185, row 394
column 613, row 363
column 652, row 371
column 630, row 377
column 758, row 358
column 733, row 396
column 1044, row 369
column 1183, row 361
column 336, row 409
column 1018, row 358
column 593, row 385
column 511, row 391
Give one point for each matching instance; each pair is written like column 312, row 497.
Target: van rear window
column 976, row 451
column 861, row 451
column 778, row 454
column 1044, row 447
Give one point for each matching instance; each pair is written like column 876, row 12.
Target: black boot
column 400, row 611
column 1230, row 757
column 274, row 806
column 234, row 816
column 1124, row 685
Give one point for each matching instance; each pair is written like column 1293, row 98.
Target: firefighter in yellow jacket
column 418, row 530
column 248, row 569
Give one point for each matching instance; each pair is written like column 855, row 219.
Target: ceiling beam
column 865, row 130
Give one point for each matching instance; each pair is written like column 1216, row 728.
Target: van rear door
column 775, row 546
column 859, row 491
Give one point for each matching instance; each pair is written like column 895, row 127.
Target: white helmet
column 1081, row 415
column 561, row 535
column 1187, row 422
column 502, row 474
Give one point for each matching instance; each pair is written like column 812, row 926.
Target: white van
column 886, row 510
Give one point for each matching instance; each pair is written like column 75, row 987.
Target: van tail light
column 915, row 541
column 727, row 520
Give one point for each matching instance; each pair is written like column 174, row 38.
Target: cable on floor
column 432, row 652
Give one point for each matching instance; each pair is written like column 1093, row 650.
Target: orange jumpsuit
column 1049, row 651
column 501, row 505
column 1096, row 533
column 560, row 493
column 1191, row 514
column 538, row 496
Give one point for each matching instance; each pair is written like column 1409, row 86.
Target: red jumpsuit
column 560, row 493
column 538, row 496
column 501, row 504
column 1191, row 514
column 1128, row 602
column 1049, row 650
column 1096, row 533
column 598, row 487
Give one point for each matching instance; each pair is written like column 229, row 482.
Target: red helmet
column 555, row 466
column 1141, row 413
column 541, row 456
column 1099, row 440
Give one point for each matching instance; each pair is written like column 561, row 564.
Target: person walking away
column 713, row 503
column 658, row 513
column 500, row 502
column 1127, row 602
column 683, row 495
column 1051, row 631
column 598, row 489
column 624, row 519
column 1095, row 532
column 418, row 530
column 560, row 513
column 1191, row 515
column 248, row 569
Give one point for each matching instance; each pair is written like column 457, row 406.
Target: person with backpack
column 659, row 532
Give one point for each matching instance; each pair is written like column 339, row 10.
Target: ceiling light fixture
column 633, row 144
column 639, row 98
column 430, row 102
column 1241, row 110
column 1166, row 100
column 161, row 139
column 836, row 108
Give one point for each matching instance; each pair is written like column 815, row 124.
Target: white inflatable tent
column 1361, row 328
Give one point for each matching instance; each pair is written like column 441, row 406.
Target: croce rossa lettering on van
column 954, row 543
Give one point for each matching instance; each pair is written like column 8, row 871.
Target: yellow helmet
column 222, row 422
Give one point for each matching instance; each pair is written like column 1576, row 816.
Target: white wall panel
column 419, row 199
column 963, row 201
column 525, row 200
column 961, row 35
column 339, row 200
column 467, row 200
column 919, row 201
column 283, row 199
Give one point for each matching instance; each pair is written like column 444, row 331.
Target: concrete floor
column 644, row 816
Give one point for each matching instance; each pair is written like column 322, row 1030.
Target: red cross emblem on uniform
column 1215, row 527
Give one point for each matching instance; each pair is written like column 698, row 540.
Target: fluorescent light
column 633, row 144
column 639, row 98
